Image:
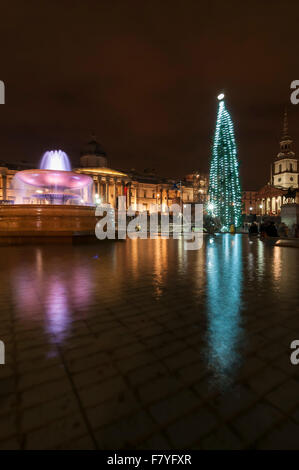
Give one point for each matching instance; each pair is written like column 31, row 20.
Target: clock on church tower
column 285, row 168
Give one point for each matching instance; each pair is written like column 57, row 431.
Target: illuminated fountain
column 53, row 183
column 52, row 203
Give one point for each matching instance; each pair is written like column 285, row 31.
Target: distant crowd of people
column 270, row 229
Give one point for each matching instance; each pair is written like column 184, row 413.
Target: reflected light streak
column 277, row 264
column 224, row 290
column 160, row 266
column 58, row 316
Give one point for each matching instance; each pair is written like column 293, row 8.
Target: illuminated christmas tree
column 225, row 199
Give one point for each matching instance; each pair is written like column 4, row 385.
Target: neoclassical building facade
column 144, row 191
column 7, row 172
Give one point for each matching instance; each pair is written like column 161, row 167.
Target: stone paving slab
column 97, row 361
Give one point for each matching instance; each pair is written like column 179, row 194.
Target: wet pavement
column 140, row 344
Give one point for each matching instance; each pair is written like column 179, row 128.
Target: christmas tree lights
column 225, row 199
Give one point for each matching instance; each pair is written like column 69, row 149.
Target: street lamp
column 261, row 209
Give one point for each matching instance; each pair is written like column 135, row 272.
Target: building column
column 103, row 190
column 107, row 191
column 4, row 187
column 122, row 189
column 129, row 190
column 114, row 192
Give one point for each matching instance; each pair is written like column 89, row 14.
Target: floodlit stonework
column 284, row 174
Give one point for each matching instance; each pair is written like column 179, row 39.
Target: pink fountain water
column 53, row 183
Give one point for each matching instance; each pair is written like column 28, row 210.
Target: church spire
column 285, row 131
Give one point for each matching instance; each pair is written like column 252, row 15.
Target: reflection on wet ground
column 142, row 344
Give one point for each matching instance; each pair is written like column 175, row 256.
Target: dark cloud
column 144, row 76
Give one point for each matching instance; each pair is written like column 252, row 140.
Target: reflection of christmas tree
column 224, row 187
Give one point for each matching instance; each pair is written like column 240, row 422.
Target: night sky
column 144, row 76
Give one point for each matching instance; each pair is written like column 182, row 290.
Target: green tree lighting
column 225, row 199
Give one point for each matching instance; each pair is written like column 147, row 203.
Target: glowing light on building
column 102, row 170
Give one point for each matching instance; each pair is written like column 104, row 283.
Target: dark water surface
column 151, row 344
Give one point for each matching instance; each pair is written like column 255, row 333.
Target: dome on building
column 93, row 148
column 93, row 154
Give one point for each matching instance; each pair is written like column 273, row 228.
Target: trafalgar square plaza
column 149, row 230
column 136, row 329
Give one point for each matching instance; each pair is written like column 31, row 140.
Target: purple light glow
column 50, row 179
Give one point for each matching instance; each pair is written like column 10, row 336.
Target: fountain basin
column 45, row 223
column 46, row 217
column 52, row 203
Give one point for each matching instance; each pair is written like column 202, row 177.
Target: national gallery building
column 140, row 188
